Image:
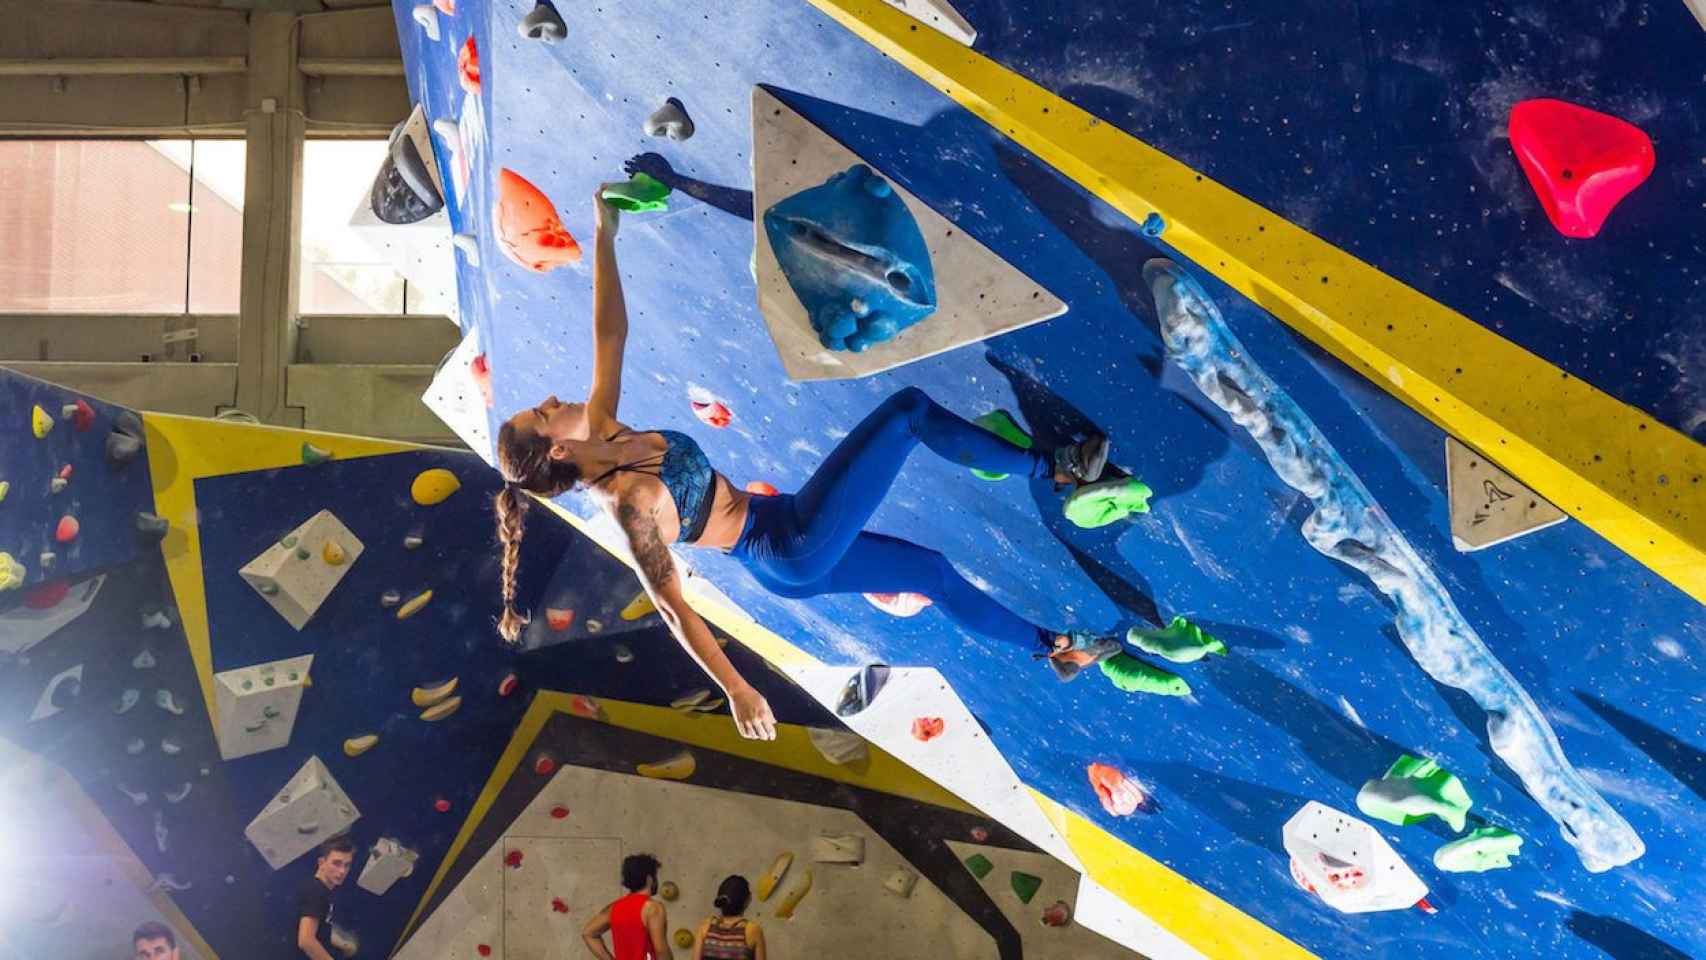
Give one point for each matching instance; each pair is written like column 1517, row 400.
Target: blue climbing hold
column 1153, row 225
column 853, row 254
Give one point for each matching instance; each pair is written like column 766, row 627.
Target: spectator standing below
column 314, row 934
column 728, row 935
column 154, row 941
column 638, row 923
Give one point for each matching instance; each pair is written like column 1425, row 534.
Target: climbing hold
column 926, row 729
column 768, row 880
column 512, row 859
column 1057, row 914
column 861, row 689
column 670, row 120
column 356, row 746
column 559, row 813
column 558, row 620
column 302, row 553
column 529, row 231
column 81, row 415
column 483, row 950
column 1181, row 642
column 1025, row 885
column 593, row 626
column 434, row 486
column 268, row 588
column 155, row 617
column 57, row 485
column 508, row 685
column 758, row 487
column 640, row 606
column 468, row 67
column 470, row 247
column 45, row 596
column 47, row 559
column 678, row 767
column 1347, row 863
column 152, row 527
column 136, row 746
column 643, row 193
column 1580, row 162
column 543, row 24
column 64, row 473
column 138, row 797
column 413, row 541
column 848, row 849
column 390, row 598
column 171, row 747
column 1153, row 225
column 1414, row 789
column 143, row 660
column 713, row 413
column 585, row 707
column 314, row 456
column 1485, row 848
column 414, row 606
column 544, row 764
column 481, row 369
column 439, row 711
column 683, row 938
column 441, row 805
column 1099, row 504
column 446, row 7
column 1002, row 424
column 789, row 902
column 623, row 654
column 854, row 256
column 899, row 604
column 333, row 554
column 12, row 573
column 427, row 17
column 978, row 834
column 164, row 700
column 125, row 440
column 5, row 488
column 979, row 865
column 178, row 795
column 426, row 696
column 127, row 700
column 688, row 703
column 900, row 882
column 710, row 706
column 40, row 423
column 1134, row 676
column 1121, row 796
column 669, row 891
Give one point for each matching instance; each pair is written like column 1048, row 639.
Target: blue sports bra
column 687, row 475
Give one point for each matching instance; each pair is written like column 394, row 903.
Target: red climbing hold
column 82, row 415
column 65, row 472
column 1059, row 914
column 1581, row 162
column 529, row 230
column 559, row 620
column 441, row 805
column 67, row 529
column 482, row 372
column 926, row 729
column 1426, row 907
column 979, row 834
column 544, row 765
column 507, row 685
column 468, row 67
column 48, row 595
column 762, row 489
column 483, row 950
column 559, row 813
column 558, row 905
column 712, row 413
column 584, row 706
column 512, row 859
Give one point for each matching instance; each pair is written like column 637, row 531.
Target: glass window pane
column 340, row 272
column 216, row 226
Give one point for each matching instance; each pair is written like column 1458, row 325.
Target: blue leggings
column 814, row 542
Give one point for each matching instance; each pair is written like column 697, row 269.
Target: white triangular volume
column 978, row 295
column 310, row 810
column 22, row 627
column 1488, row 505
column 456, row 398
column 961, row 759
column 255, row 706
column 1347, row 863
column 941, row 15
column 421, row 251
column 470, row 916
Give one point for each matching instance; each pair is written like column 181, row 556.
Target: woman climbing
column 662, row 490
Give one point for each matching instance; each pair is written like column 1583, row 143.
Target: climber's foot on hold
column 1074, row 651
column 1081, row 462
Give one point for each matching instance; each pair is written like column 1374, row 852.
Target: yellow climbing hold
column 638, row 607
column 333, row 554
column 439, row 711
column 40, row 423
column 669, row 891
column 771, row 877
column 427, row 696
column 684, row 938
column 5, row 488
column 414, row 606
column 356, row 746
column 785, row 908
column 678, row 767
column 434, row 486
column 12, row 573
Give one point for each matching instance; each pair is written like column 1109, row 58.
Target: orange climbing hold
column 762, row 489
column 529, row 230
column 559, row 620
column 712, row 413
column 585, row 707
column 446, row 7
column 1120, row 795
column 507, row 685
column 1580, row 162
column 926, row 729
column 468, row 67
column 67, row 529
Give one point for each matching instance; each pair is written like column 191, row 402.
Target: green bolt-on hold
column 1025, row 886
column 1134, row 676
column 979, row 865
column 1414, row 789
column 288, row 542
column 642, row 194
column 269, row 589
column 1486, row 848
column 301, row 553
column 1110, row 501
column 314, row 456
column 1181, row 642
column 1001, row 423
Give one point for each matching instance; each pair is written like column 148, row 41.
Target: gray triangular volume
column 978, row 294
column 1488, row 505
column 941, row 15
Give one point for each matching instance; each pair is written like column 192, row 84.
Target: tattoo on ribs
column 650, row 553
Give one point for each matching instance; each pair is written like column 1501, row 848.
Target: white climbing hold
column 1347, row 863
column 160, row 830
column 126, row 700
column 59, row 692
column 543, row 24
column 142, row 661
column 165, row 881
column 178, row 795
column 171, row 747
column 138, row 797
column 670, row 120
column 136, row 746
column 156, row 618
column 164, row 700
column 427, row 17
column 470, row 247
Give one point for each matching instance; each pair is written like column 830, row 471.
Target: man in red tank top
column 637, row 923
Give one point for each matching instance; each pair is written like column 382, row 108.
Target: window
column 121, row 226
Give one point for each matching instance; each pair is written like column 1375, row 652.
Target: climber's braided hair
column 524, row 459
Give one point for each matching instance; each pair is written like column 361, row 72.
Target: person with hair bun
column 727, row 935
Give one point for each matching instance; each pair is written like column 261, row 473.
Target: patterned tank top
column 725, row 939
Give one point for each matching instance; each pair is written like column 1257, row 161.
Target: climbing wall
column 1403, row 164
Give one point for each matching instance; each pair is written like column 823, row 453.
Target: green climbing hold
column 1000, row 423
column 1414, row 789
column 1099, row 504
column 979, row 865
column 314, row 456
column 1025, row 886
column 1181, row 642
column 1487, row 848
column 642, row 194
column 1134, row 676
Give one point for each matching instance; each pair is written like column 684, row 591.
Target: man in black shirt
column 314, row 900
column 154, row 941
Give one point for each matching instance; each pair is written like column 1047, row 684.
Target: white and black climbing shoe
column 1076, row 650
column 861, row 689
column 1083, row 461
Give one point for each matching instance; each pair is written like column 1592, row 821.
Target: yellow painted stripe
column 182, row 450
column 1635, row 481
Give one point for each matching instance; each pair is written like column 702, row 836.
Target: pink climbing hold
column 979, row 834
column 899, row 604
column 1120, row 795
column 65, row 472
column 762, row 489
column 712, row 413
column 482, row 372
column 48, row 595
column 512, row 859
column 559, row 813
column 468, row 67
column 1580, row 162
column 507, row 685
column 67, row 530
column 926, row 729
column 558, row 905
column 441, row 805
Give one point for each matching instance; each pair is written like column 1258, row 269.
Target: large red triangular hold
column 1581, row 162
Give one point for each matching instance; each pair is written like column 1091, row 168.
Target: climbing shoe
column 1083, row 461
column 1076, row 650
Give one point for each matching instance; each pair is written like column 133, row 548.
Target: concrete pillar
column 272, row 216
